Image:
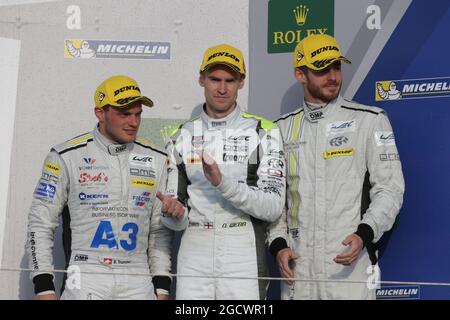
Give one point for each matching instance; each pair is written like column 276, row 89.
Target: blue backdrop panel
column 418, row 248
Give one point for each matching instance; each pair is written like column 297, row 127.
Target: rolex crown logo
column 301, row 14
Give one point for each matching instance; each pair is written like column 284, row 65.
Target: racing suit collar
column 213, row 123
column 108, row 146
column 315, row 112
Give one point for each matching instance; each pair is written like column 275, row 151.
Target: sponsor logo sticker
column 45, row 190
column 142, row 199
column 291, row 21
column 340, row 127
column 142, row 160
column 116, row 49
column 346, row 152
column 412, row 89
column 53, row 167
column 143, row 183
column 50, row 178
column 89, row 196
column 86, row 177
column 143, row 172
column 384, row 138
column 389, row 157
column 338, row 141
column 398, row 292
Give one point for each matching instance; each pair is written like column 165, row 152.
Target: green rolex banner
column 292, row 20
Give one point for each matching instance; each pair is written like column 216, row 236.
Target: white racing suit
column 343, row 176
column 222, row 249
column 112, row 225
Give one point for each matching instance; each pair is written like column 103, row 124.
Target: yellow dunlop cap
column 317, row 52
column 119, row 91
column 224, row 54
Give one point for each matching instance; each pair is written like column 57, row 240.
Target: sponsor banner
column 398, row 292
column 412, row 89
column 116, row 49
column 291, row 21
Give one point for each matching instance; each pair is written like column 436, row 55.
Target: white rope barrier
column 421, row 283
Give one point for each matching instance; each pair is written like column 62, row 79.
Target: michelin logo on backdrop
column 412, row 89
column 116, row 49
column 398, row 293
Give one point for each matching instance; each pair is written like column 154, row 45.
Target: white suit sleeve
column 176, row 186
column 49, row 198
column 263, row 196
column 386, row 180
column 160, row 242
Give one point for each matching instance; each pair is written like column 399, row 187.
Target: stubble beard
column 319, row 93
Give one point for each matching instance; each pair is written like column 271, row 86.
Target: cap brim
column 231, row 66
column 144, row 100
column 341, row 58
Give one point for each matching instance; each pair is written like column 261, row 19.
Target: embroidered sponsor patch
column 384, row 138
column 347, row 152
column 340, row 127
column 45, row 190
column 52, row 167
column 143, row 183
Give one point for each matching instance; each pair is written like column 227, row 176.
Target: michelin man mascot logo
column 392, row 94
column 84, row 52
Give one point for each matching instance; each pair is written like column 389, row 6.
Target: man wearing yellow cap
column 344, row 183
column 227, row 167
column 108, row 180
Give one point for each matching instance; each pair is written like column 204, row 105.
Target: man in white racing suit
column 227, row 167
column 108, row 179
column 344, row 183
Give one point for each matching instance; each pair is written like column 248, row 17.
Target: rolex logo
column 291, row 21
column 301, row 14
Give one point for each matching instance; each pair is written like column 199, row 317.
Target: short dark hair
column 303, row 69
column 238, row 75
